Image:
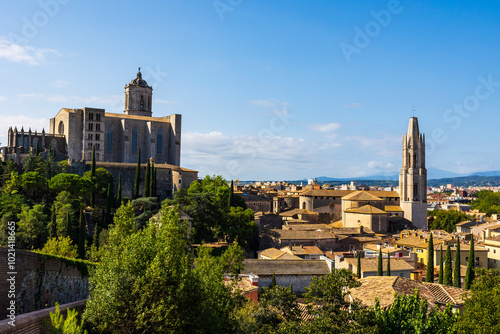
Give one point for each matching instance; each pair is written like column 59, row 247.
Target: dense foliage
column 487, row 201
column 446, row 219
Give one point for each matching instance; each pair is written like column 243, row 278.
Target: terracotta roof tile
column 361, row 195
column 367, row 209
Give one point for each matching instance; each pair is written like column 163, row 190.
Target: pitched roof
column 383, row 288
column 370, row 264
column 294, row 212
column 312, row 250
column 342, row 193
column 285, row 267
column 393, row 208
column 276, row 254
column 301, row 235
column 366, row 210
column 165, row 119
column 361, row 195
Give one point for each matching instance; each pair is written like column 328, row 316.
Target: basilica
column 119, row 140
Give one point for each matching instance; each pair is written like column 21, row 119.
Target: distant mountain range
column 432, row 174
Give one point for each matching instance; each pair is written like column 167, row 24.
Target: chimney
column 254, row 279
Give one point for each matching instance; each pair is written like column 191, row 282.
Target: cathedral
column 119, row 140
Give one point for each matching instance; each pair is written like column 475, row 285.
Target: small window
column 89, row 137
column 97, row 136
column 91, row 116
column 98, row 127
column 134, row 139
column 91, row 126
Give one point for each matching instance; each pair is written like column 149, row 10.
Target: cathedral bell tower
column 413, row 177
column 138, row 96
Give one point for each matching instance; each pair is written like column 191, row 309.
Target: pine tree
column 388, row 270
column 379, row 267
column 430, row 261
column 137, row 175
column 470, row 274
column 119, row 192
column 147, row 180
column 273, row 281
column 441, row 269
column 358, row 269
column 448, row 280
column 456, row 269
column 92, row 176
column 53, row 223
column 81, row 236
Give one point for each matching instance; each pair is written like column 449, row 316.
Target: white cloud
column 326, row 127
column 59, row 83
column 264, row 103
column 245, row 155
column 384, row 144
column 23, row 54
column 352, row 105
column 2, row 98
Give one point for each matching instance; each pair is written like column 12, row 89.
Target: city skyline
column 269, row 90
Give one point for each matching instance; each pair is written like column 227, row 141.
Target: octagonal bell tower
column 138, row 97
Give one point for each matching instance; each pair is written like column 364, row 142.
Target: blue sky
column 269, row 89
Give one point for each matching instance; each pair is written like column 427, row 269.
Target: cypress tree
column 470, row 274
column 53, row 223
column 359, row 265
column 430, row 261
column 388, row 270
column 81, row 236
column 92, row 177
column 137, row 175
column 448, row 280
column 68, row 226
column 119, row 192
column 441, row 269
column 231, row 194
column 147, row 180
column 273, row 281
column 456, row 269
column 109, row 199
column 153, row 180
column 379, row 267
column 95, row 239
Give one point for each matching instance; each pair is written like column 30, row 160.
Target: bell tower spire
column 138, row 97
column 413, row 176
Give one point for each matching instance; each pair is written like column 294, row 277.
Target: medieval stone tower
column 413, row 177
column 138, row 97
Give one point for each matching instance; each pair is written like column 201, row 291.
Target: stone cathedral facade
column 117, row 139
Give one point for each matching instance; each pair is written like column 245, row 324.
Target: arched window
column 159, row 141
column 142, row 101
column 134, row 138
column 415, row 191
column 26, row 145
column 109, row 140
column 97, row 157
column 35, row 143
column 89, row 156
column 61, row 128
column 19, row 141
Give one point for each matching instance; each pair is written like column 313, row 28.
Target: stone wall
column 38, row 322
column 41, row 281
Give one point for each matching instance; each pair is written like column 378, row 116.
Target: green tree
column 53, row 223
column 92, row 176
column 32, row 227
column 119, row 191
column 430, row 261
column 441, row 264
column 61, row 246
column 70, row 325
column 240, row 225
column 448, row 279
column 487, row 201
column 273, row 281
column 469, row 275
column 64, row 208
column 81, row 236
column 102, row 178
column 379, row 266
column 150, row 282
column 33, row 186
column 388, row 270
column 137, row 175
column 358, row 267
column 410, row 314
column 482, row 305
column 456, row 269
column 147, row 180
column 152, row 187
column 446, row 219
column 76, row 186
column 277, row 304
